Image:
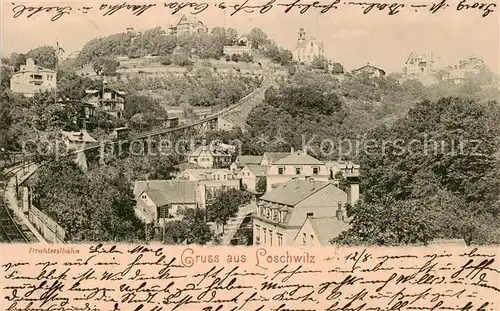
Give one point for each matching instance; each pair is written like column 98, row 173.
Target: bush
column 165, row 61
column 235, row 58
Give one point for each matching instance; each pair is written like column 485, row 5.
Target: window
column 315, row 170
column 298, row 170
column 310, row 215
column 304, row 239
column 281, row 170
column 312, row 238
column 257, row 235
column 270, row 237
column 280, row 239
column 264, row 231
column 144, row 196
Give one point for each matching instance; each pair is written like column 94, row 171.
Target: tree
column 106, row 66
column 337, row 68
column 97, row 207
column 72, row 86
column 261, row 185
column 181, row 57
column 191, row 229
column 431, row 190
column 226, row 205
column 319, row 62
column 5, row 75
column 44, row 56
column 257, row 37
column 16, row 60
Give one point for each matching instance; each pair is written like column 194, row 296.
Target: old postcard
column 250, row 155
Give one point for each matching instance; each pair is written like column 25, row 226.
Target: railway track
column 12, row 229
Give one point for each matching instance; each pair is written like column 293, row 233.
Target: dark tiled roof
column 294, row 191
column 298, row 158
column 244, row 160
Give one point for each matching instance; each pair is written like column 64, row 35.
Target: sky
column 349, row 36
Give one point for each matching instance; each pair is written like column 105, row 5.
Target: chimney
column 339, row 213
column 292, row 150
column 352, row 192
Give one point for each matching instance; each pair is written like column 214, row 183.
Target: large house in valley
column 299, row 165
column 251, row 175
column 106, row 99
column 212, row 179
column 319, row 231
column 210, row 157
column 307, row 48
column 282, row 212
column 31, row 79
column 160, row 201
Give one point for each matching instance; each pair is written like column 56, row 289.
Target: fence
column 47, row 227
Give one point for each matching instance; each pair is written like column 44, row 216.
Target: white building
column 297, row 165
column 31, row 79
column 251, row 174
column 307, row 48
column 282, row 212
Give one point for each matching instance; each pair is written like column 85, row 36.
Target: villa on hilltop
column 420, row 66
column 186, row 26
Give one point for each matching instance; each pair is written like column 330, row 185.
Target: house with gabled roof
column 281, row 213
column 372, row 71
column 160, row 201
column 210, row 157
column 298, row 165
column 320, row 231
column 244, row 160
column 251, row 174
column 187, row 25
column 109, row 100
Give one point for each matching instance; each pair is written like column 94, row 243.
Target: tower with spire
column 307, row 48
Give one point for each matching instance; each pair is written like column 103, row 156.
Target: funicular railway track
column 11, row 228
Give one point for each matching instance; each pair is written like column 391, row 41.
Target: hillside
column 308, row 107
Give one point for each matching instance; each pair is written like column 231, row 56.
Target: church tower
column 302, row 37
